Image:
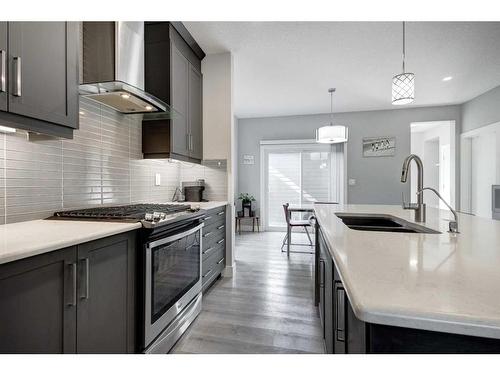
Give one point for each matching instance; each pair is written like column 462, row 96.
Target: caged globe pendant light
column 331, row 133
column 403, row 85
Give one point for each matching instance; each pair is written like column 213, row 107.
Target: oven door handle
column 175, row 237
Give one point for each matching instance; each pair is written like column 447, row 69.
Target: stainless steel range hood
column 112, row 56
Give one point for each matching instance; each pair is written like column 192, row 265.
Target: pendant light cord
column 404, row 47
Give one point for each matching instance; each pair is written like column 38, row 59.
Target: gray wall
column 482, row 110
column 377, row 179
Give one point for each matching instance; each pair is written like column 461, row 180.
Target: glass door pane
column 316, row 177
column 284, row 179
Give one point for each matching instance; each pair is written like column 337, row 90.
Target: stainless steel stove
column 169, row 258
column 150, row 215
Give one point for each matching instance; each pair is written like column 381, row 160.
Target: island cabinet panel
column 350, row 335
column 38, row 304
column 3, row 66
column 76, row 300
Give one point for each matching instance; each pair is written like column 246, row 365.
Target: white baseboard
column 228, row 271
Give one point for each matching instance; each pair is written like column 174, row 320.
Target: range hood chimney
column 113, row 69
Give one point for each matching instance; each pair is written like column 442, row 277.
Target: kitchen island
column 408, row 286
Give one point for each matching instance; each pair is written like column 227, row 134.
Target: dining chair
column 290, row 224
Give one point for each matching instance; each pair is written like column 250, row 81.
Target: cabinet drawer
column 213, row 235
column 213, row 258
column 211, row 250
column 212, row 273
column 215, row 215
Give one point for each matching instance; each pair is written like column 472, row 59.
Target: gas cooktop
column 150, row 215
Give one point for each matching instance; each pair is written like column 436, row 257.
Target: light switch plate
column 157, row 179
column 352, row 181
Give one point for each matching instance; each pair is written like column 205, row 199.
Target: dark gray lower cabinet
column 344, row 333
column 213, row 246
column 80, row 299
column 106, row 292
column 38, row 304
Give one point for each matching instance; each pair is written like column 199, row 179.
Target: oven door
column 173, row 278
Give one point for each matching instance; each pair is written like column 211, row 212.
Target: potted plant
column 246, row 203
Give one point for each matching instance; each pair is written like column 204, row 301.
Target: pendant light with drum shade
column 403, row 85
column 331, row 133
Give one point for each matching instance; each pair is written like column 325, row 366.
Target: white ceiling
column 286, row 68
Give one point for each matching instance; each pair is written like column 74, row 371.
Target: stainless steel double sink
column 381, row 223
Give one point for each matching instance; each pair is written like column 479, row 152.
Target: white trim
column 288, row 142
column 466, row 164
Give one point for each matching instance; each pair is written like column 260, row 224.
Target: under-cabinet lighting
column 6, row 129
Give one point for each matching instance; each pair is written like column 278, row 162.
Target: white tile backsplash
column 102, row 164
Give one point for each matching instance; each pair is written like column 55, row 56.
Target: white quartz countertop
column 28, row 238
column 440, row 282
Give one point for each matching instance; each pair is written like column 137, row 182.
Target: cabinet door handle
column 321, row 273
column 17, row 76
column 220, row 241
column 207, row 218
column 207, row 234
column 221, row 226
column 72, row 267
column 188, row 145
column 208, row 273
column 220, row 261
column 220, row 213
column 340, row 330
column 86, row 270
column 208, row 250
column 3, row 69
column 191, row 142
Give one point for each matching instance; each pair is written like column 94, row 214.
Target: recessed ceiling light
column 449, row 78
column 148, row 108
column 125, row 96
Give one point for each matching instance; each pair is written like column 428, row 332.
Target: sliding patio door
column 299, row 174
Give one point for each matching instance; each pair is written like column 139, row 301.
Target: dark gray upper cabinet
column 42, row 79
column 173, row 74
column 38, row 304
column 180, row 101
column 3, row 66
column 76, row 300
column 195, row 113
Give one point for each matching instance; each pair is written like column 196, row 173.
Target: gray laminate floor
column 266, row 307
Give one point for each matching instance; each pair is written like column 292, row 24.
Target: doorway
column 434, row 143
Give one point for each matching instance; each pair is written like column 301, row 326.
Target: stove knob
column 163, row 215
column 156, row 216
column 148, row 216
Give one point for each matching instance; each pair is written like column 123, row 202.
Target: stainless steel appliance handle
column 17, row 76
column 86, row 276
column 340, row 330
column 73, row 289
column 175, row 237
column 3, row 68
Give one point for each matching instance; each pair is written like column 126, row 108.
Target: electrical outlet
column 157, row 179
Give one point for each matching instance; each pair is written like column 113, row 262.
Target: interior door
column 43, row 71
column 179, row 96
column 3, row 66
column 195, row 113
